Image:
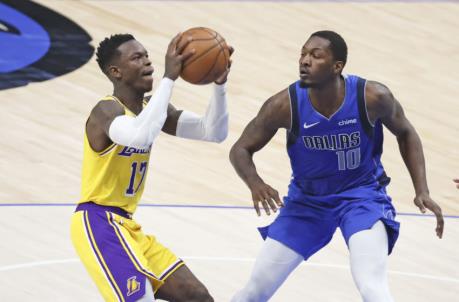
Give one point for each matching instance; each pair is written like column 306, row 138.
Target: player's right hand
column 266, row 196
column 175, row 56
column 423, row 201
column 222, row 79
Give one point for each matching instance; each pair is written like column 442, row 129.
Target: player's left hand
column 423, row 201
column 222, row 79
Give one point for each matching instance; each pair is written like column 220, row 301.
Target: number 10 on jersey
column 348, row 159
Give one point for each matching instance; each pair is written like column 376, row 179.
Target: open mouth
column 304, row 74
column 147, row 73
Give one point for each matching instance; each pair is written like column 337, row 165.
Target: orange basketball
column 210, row 59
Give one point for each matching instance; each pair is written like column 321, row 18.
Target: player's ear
column 114, row 72
column 338, row 67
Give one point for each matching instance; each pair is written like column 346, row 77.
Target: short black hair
column 109, row 47
column 337, row 44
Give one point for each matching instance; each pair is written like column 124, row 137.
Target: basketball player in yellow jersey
column 126, row 264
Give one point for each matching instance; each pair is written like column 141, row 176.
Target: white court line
column 229, row 259
column 36, row 263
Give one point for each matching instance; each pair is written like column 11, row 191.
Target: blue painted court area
column 218, row 207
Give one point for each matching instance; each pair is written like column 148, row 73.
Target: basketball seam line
column 194, row 59
column 213, row 66
column 203, row 39
column 223, row 48
column 211, row 32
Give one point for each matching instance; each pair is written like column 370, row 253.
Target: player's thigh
column 106, row 257
column 363, row 215
column 150, row 256
column 180, row 285
column 303, row 234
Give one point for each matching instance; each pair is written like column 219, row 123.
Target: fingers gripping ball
column 210, row 59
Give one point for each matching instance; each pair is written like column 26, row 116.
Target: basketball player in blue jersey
column 126, row 264
column 334, row 141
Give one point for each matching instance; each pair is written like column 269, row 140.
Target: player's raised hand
column 222, row 79
column 423, row 201
column 456, row 180
column 175, row 56
column 266, row 196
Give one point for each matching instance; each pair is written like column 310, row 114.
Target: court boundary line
column 218, row 207
column 312, row 1
column 230, row 259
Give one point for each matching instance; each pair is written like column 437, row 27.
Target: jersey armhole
column 368, row 127
column 99, row 153
column 293, row 132
column 112, row 145
column 146, row 100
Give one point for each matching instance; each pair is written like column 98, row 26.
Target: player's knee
column 253, row 293
column 370, row 270
column 374, row 292
column 197, row 293
column 201, row 294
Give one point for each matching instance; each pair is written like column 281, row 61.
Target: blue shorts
column 307, row 224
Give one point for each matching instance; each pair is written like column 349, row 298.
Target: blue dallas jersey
column 332, row 155
column 338, row 180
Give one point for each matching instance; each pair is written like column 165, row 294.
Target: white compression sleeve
column 273, row 265
column 213, row 126
column 140, row 131
column 368, row 252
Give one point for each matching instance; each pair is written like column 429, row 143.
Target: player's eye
column 316, row 55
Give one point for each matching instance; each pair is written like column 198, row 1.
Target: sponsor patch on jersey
column 347, row 122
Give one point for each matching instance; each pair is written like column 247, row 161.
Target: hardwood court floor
column 410, row 47
column 38, row 262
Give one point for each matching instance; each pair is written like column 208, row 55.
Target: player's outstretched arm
column 456, row 180
column 213, row 126
column 274, row 114
column 382, row 105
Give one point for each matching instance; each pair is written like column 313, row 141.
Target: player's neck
column 133, row 100
column 327, row 98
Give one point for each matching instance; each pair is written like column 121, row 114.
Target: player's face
column 317, row 65
column 134, row 66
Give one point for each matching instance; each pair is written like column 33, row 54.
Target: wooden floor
column 410, row 47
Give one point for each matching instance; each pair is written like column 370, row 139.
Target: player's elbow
column 232, row 154
column 138, row 141
column 406, row 133
column 235, row 152
column 218, row 132
column 220, row 136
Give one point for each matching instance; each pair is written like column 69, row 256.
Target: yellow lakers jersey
column 115, row 176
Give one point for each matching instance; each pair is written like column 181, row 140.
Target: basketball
column 210, row 59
